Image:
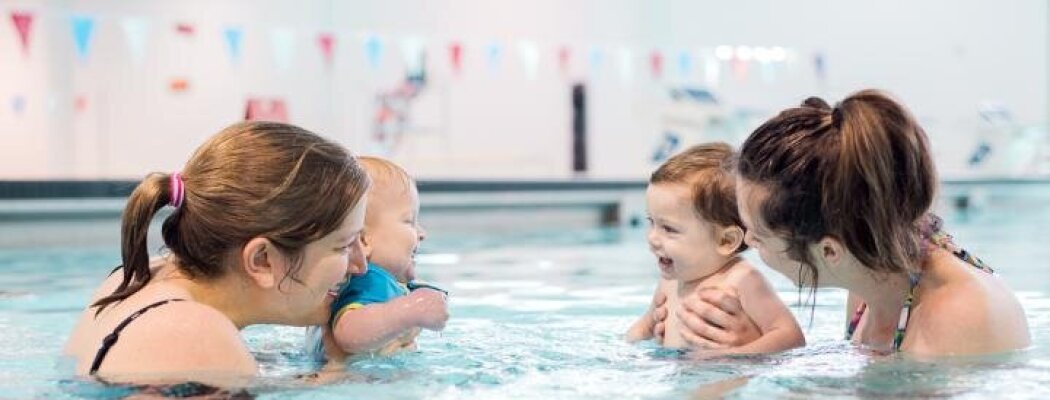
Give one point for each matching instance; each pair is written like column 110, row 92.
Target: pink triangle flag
column 23, row 22
column 326, row 41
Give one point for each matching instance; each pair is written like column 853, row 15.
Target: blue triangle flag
column 233, row 42
column 83, row 27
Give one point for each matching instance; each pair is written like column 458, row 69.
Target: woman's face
column 326, row 264
column 771, row 247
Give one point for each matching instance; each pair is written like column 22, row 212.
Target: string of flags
column 706, row 65
column 284, row 44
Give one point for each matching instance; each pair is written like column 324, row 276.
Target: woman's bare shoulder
column 180, row 337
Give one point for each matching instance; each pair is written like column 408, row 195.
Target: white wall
column 941, row 57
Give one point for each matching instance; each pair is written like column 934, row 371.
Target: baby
column 383, row 310
column 696, row 235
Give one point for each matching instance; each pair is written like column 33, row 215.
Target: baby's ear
column 729, row 239
column 366, row 244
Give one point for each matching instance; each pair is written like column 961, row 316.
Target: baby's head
column 392, row 232
column 695, row 228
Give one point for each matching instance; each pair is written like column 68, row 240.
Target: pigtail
column 148, row 197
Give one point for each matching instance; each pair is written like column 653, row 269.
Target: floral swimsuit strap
column 942, row 240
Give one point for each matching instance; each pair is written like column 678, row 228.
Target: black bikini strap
column 111, row 338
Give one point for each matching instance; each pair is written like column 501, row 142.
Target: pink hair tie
column 178, row 190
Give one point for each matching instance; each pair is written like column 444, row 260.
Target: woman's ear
column 262, row 262
column 729, row 240
column 830, row 251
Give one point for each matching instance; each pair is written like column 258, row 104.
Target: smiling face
column 326, row 264
column 392, row 231
column 686, row 246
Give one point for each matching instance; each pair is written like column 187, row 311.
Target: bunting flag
column 185, row 29
column 712, row 71
column 412, row 53
column 597, row 58
column 18, row 104
column 564, row 59
column 282, row 44
column 373, row 50
column 83, row 28
column 626, row 65
column 80, row 104
column 455, row 57
column 495, row 53
column 820, row 68
column 530, row 58
column 326, row 41
column 656, row 64
column 23, row 23
column 233, row 37
column 685, row 63
column 136, row 31
column 739, row 69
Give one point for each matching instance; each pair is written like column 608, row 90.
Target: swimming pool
column 540, row 315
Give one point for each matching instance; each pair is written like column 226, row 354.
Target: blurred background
column 475, row 89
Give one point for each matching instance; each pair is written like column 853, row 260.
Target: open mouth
column 666, row 264
column 335, row 289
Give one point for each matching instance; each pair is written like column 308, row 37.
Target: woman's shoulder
column 960, row 295
column 179, row 336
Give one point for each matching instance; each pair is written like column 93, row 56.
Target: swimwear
column 942, row 240
column 111, row 339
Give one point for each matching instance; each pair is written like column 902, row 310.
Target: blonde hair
column 385, row 174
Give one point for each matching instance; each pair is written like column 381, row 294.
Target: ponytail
column 149, row 196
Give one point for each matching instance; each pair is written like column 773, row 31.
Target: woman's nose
column 358, row 265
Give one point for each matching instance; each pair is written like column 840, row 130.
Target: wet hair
column 705, row 168
column 253, row 179
column 859, row 172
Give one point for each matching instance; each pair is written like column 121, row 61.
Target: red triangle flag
column 656, row 63
column 327, row 42
column 563, row 59
column 455, row 54
column 23, row 21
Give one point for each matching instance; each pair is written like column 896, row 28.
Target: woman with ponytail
column 264, row 225
column 840, row 197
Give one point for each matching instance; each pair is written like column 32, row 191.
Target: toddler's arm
column 759, row 301
column 643, row 328
column 375, row 325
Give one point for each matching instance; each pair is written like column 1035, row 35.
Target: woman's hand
column 714, row 319
column 659, row 315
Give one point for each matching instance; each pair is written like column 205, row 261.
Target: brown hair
column 860, row 172
column 703, row 166
column 252, row 179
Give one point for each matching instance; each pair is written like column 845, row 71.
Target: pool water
column 541, row 315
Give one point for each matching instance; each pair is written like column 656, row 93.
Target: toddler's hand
column 431, row 308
